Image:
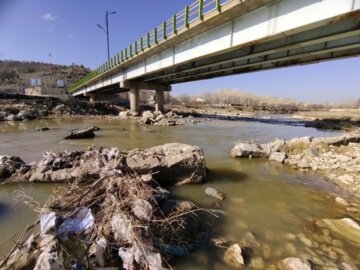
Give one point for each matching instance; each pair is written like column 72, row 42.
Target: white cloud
column 49, row 17
column 70, row 36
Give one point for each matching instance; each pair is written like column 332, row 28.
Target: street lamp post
column 106, row 30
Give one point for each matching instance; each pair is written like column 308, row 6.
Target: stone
column 147, row 117
column 266, row 251
column 290, row 249
column 346, row 266
column 346, row 179
column 9, row 165
column 124, row 115
column 160, row 117
column 257, row 263
column 26, row 115
column 278, row 157
column 174, row 163
column 243, row 149
column 345, row 227
column 306, row 241
column 212, row 192
column 85, row 133
column 293, row 263
column 42, row 129
column 12, row 117
column 341, row 201
column 233, row 256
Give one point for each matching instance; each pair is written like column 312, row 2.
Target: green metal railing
column 182, row 19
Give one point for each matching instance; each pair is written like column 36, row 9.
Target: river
column 272, row 201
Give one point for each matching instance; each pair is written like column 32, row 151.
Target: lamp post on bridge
column 106, row 30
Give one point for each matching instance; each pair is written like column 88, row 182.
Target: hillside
column 16, row 75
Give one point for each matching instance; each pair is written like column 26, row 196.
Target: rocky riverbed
column 337, row 158
column 30, row 109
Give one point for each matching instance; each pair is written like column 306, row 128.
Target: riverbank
column 336, row 158
column 346, row 119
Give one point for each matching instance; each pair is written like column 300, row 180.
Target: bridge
column 214, row 38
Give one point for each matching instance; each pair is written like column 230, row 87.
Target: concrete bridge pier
column 134, row 99
column 159, row 100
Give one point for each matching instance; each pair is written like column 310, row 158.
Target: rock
column 124, row 115
column 290, row 249
column 142, row 209
column 147, row 117
column 61, row 108
column 85, row 133
column 160, row 117
column 26, row 115
column 42, row 129
column 278, row 157
column 172, row 163
column 346, row 266
column 13, row 117
column 218, row 242
column 246, row 150
column 293, row 263
column 233, row 256
column 212, row 192
column 257, row 263
column 346, row 179
column 341, row 201
column 9, row 165
column 345, row 227
column 169, row 114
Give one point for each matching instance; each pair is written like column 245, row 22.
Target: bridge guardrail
column 180, row 20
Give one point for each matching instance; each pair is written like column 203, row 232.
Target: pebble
column 266, row 251
column 290, row 236
column 257, row 263
column 341, row 201
column 306, row 241
column 346, row 266
column 291, row 249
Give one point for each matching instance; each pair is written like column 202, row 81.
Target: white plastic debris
column 80, row 220
column 47, row 222
column 122, row 228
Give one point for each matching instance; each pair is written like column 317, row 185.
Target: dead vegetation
column 120, row 220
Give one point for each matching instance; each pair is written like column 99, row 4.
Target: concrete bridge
column 214, row 38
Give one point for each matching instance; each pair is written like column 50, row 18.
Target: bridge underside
column 336, row 40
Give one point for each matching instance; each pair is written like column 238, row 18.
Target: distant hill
column 16, row 75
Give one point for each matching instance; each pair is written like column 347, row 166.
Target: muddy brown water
column 272, row 201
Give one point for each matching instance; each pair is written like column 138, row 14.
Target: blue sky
column 31, row 29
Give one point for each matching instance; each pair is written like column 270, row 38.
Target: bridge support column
column 159, row 100
column 134, row 99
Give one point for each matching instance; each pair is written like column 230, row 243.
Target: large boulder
column 172, row 163
column 147, row 117
column 244, row 149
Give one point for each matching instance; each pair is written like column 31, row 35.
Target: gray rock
column 9, row 165
column 12, row 117
column 293, row 263
column 212, row 192
column 244, row 149
column 85, row 133
column 172, row 163
column 26, row 115
column 124, row 115
column 346, row 266
column 278, row 157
